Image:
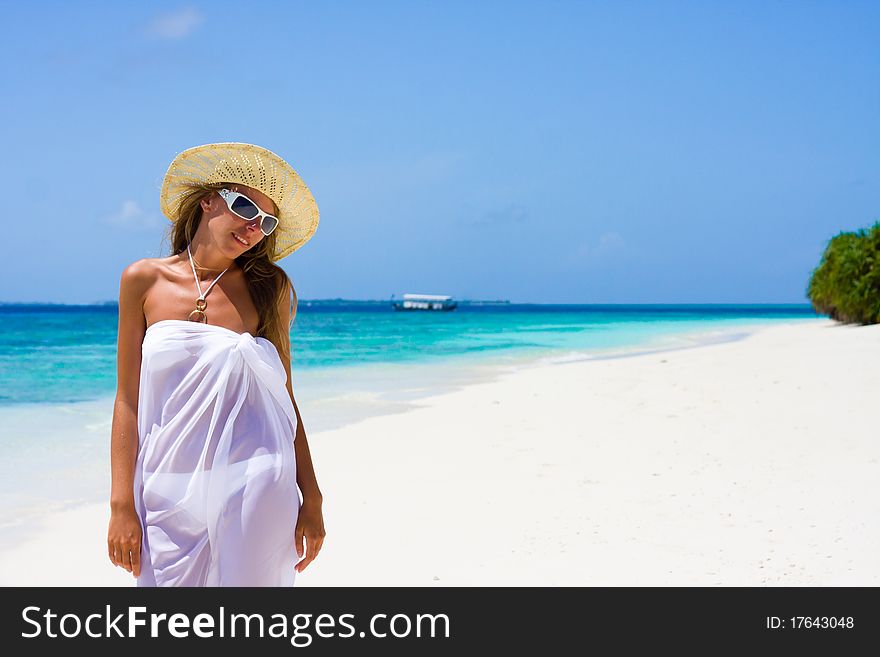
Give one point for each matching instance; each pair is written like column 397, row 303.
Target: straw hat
column 255, row 167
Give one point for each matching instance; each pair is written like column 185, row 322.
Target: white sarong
column 215, row 479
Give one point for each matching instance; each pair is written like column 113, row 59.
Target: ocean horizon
column 67, row 352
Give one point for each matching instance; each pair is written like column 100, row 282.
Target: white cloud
column 131, row 215
column 176, row 24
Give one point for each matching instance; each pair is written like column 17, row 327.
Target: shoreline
column 717, row 465
column 330, row 413
column 363, row 397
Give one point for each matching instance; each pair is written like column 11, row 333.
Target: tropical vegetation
column 846, row 284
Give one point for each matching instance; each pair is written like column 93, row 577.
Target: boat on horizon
column 425, row 302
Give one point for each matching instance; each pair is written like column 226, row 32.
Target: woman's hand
column 309, row 525
column 124, row 540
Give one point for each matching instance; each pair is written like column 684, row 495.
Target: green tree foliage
column 846, row 284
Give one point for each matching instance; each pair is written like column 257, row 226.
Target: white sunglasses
column 242, row 206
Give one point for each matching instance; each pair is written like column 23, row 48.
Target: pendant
column 198, row 315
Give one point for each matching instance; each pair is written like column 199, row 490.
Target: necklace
column 198, row 315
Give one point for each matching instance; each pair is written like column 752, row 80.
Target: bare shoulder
column 139, row 276
column 138, row 279
column 148, row 270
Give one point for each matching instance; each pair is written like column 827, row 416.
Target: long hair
column 265, row 280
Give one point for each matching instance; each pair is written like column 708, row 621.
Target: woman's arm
column 310, row 522
column 124, row 534
column 305, row 472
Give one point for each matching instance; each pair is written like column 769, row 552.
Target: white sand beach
column 754, row 462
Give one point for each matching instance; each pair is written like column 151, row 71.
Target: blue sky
column 567, row 152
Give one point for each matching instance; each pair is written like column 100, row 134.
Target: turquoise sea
column 350, row 360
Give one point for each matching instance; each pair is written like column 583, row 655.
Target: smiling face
column 230, row 232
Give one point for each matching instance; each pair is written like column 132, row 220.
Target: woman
column 207, row 445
